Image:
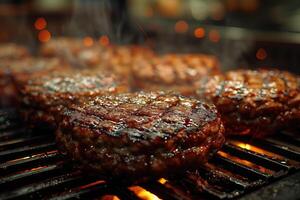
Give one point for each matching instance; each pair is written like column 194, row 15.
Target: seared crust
column 14, row 73
column 140, row 134
column 256, row 102
column 173, row 72
column 49, row 94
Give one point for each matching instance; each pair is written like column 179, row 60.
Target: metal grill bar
column 31, row 168
column 279, row 149
column 230, row 165
column 26, row 151
column 29, row 162
column 256, row 158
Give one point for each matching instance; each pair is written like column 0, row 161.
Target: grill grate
column 32, row 168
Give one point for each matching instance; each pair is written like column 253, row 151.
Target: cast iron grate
column 32, row 168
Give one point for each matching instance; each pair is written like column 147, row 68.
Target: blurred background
column 242, row 33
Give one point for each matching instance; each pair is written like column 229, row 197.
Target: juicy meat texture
column 178, row 72
column 140, row 134
column 44, row 97
column 14, row 73
column 256, row 102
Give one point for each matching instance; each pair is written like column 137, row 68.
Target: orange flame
column 162, row 180
column 109, row 197
column 142, row 193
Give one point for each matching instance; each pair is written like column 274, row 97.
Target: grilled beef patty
column 44, row 97
column 178, row 72
column 140, row 134
column 256, row 102
column 14, row 73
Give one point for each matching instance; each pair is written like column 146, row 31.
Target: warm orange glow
column 44, row 36
column 261, row 54
column 40, row 23
column 109, row 197
column 92, row 184
column 245, row 146
column 214, row 35
column 199, row 32
column 181, row 26
column 104, row 40
column 245, row 162
column 88, row 41
column 162, row 180
column 255, row 149
column 142, row 193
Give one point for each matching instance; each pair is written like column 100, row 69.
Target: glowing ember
column 199, row 32
column 162, row 180
column 92, row 184
column 109, row 197
column 44, row 36
column 214, row 35
column 261, row 54
column 245, row 146
column 104, row 40
column 142, row 193
column 255, row 149
column 88, row 41
column 181, row 26
column 245, row 162
column 40, row 23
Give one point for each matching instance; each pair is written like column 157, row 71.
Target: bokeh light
column 181, row 26
column 44, row 36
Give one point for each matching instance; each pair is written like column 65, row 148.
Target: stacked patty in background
column 14, row 73
column 9, row 53
column 173, row 72
column 43, row 97
column 138, row 134
column 115, row 58
column 256, row 102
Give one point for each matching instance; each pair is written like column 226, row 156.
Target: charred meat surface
column 140, row 134
column 14, row 73
column 44, row 97
column 177, row 72
column 256, row 102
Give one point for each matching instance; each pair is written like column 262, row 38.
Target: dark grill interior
column 32, row 168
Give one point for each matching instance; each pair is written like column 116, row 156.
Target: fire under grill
column 32, row 168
